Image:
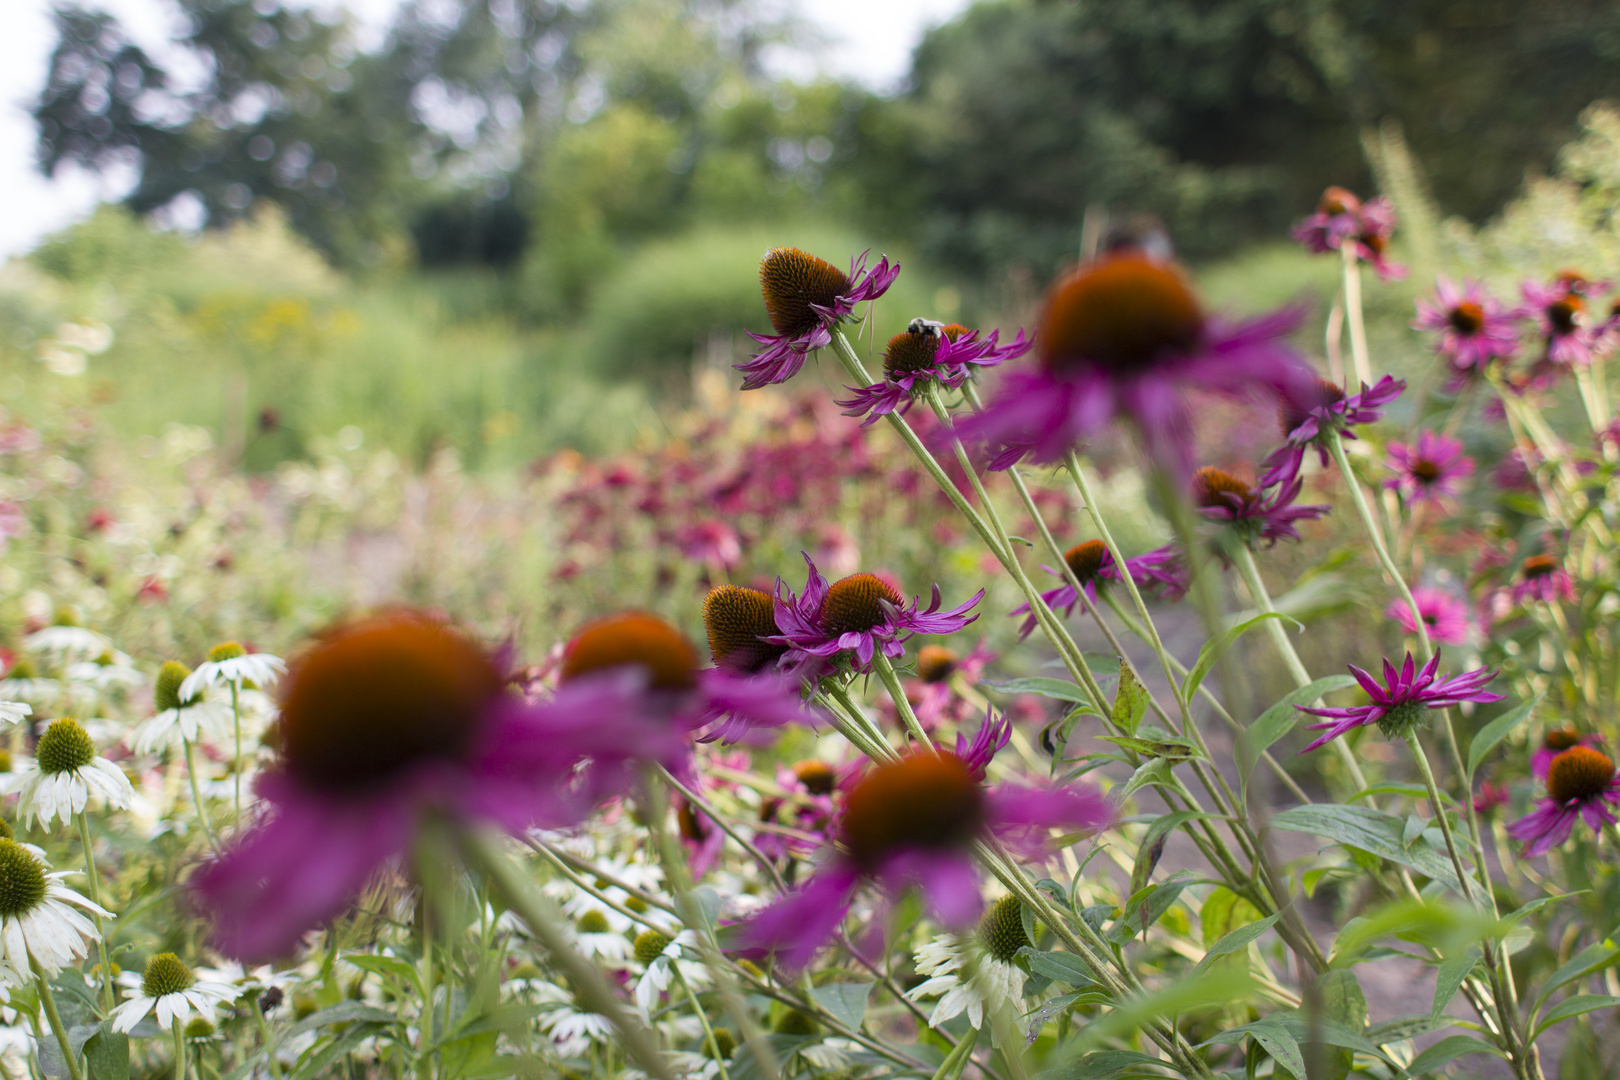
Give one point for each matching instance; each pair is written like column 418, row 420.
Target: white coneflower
column 571, row 1028
column 975, row 971
column 171, row 990
column 182, row 718
column 665, row 956
column 230, row 663
column 24, row 681
column 595, row 936
column 14, row 712
column 35, row 917
column 67, row 642
column 65, row 771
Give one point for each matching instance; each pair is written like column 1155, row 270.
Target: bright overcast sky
column 870, row 40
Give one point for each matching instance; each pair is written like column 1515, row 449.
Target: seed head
column 22, row 668
column 199, row 1027
column 923, row 800
column 1579, row 773
column 1560, row 738
column 1338, row 200
column 1210, row 483
column 910, row 352
column 817, row 776
column 67, row 615
column 935, row 663
column 1565, row 316
column 593, row 922
column 855, row 604
column 166, row 693
column 793, row 280
column 650, row 945
column 736, row 619
column 1293, row 413
column 723, row 1045
column 1403, row 718
column 1086, row 560
column 22, row 879
column 633, row 637
column 65, row 746
column 1539, row 566
column 1466, row 318
column 1123, row 312
column 794, row 1022
column 226, row 650
column 1002, row 929
column 380, row 696
column 165, row 974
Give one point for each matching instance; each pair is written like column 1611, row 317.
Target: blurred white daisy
column 35, row 917
column 572, row 1029
column 64, row 773
column 170, row 990
column 67, row 643
column 663, row 956
column 596, row 937
column 14, row 712
column 230, row 663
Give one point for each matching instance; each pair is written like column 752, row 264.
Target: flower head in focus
column 1400, row 703
column 228, row 664
column 1342, row 221
column 925, row 355
column 1581, row 785
column 1124, row 337
column 858, row 615
column 185, row 718
column 382, row 720
column 806, row 297
column 1307, row 422
column 661, row 956
column 1444, row 616
column 911, row 823
column 1555, row 741
column 169, row 989
column 1264, row 514
column 37, row 915
column 1474, row 327
column 64, row 773
column 1429, row 471
column 971, row 973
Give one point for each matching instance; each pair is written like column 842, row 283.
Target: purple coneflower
column 1489, row 796
column 909, row 824
column 1307, row 421
column 1580, row 784
column 1093, row 564
column 1430, row 471
column 1560, row 313
column 1554, row 742
column 1542, row 578
column 1124, row 337
column 923, row 354
column 383, row 721
column 1341, row 219
column 1399, row 703
column 806, row 297
column 857, row 615
column 1444, row 615
column 938, row 668
column 1257, row 514
column 977, row 753
column 1474, row 327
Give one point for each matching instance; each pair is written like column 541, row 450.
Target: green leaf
column 1130, row 702
column 1147, row 907
column 1593, row 958
column 1449, row 1049
column 1237, row 939
column 107, row 1054
column 391, row 966
column 1453, row 971
column 1105, row 1065
column 1497, row 730
column 1214, row 987
column 1575, row 1006
column 1061, row 967
column 1061, row 689
column 1280, row 719
column 845, row 1000
column 341, row 1013
column 323, row 1054
column 1170, row 748
column 1151, row 772
column 1224, row 911
column 1369, row 830
column 1213, row 650
column 1279, row 1042
column 1152, row 844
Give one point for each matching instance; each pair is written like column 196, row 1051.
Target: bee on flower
column 928, row 354
column 806, row 299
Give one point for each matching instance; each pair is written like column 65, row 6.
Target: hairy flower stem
column 482, row 851
column 680, row 883
column 196, row 794
column 1244, row 560
column 54, row 1018
column 179, row 1050
column 902, row 706
column 94, row 881
column 853, row 725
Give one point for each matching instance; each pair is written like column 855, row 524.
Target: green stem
column 236, row 764
column 179, row 1050
column 703, row 1018
column 94, row 881
column 1352, row 307
column 891, row 682
column 264, row 1035
column 196, row 794
column 482, row 851
column 54, row 1018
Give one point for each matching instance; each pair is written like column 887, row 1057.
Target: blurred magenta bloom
column 1399, row 703
column 1444, row 616
column 911, row 824
column 1580, row 785
column 1560, row 312
column 1124, row 337
column 1342, row 220
column 1308, row 421
column 858, row 614
column 806, row 297
column 1554, row 742
column 1489, row 796
column 1429, row 471
column 1542, row 578
column 1474, row 327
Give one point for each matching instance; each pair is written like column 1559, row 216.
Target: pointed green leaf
column 1497, row 730
column 845, row 1000
column 1280, row 719
column 1237, row 939
column 1212, row 651
column 1130, row 702
column 1453, row 971
column 1575, row 1006
column 1449, row 1049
